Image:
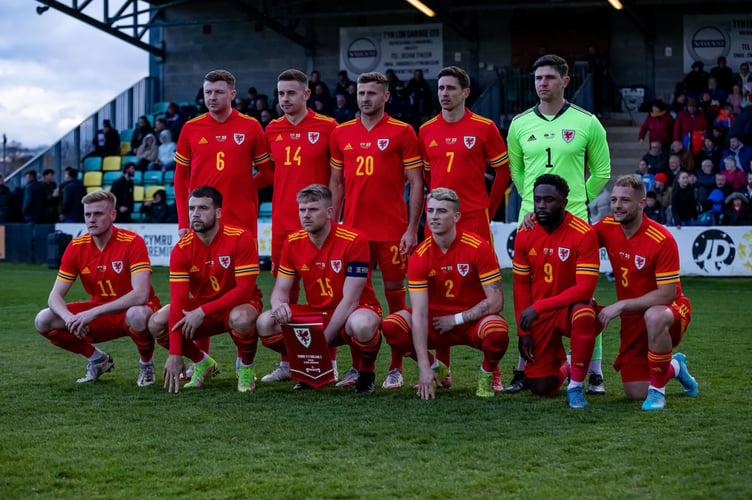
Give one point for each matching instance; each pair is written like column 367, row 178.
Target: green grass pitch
column 112, row 439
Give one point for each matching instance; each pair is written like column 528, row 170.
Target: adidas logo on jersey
column 532, row 252
column 304, row 268
column 348, row 147
column 279, row 137
column 531, row 138
column 433, row 144
column 194, row 269
column 203, row 141
column 86, row 270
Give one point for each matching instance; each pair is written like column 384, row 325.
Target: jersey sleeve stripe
column 179, row 277
column 339, row 165
column 66, row 277
column 499, row 160
column 182, row 160
column 418, row 286
column 667, row 280
column 411, row 163
column 287, row 271
column 490, row 279
column 140, row 267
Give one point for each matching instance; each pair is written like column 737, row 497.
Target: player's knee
column 158, row 322
column 657, row 319
column 636, row 390
column 363, row 324
column 137, row 317
column 242, row 318
column 265, row 324
column 543, row 386
column 395, row 326
column 44, row 319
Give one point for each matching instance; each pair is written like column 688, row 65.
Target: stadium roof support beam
column 75, row 9
column 277, row 26
column 451, row 20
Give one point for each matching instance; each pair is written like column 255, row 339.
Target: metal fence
column 123, row 112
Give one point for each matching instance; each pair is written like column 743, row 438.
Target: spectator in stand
column 696, row 80
column 678, row 100
column 422, row 96
column 744, row 79
column 737, row 211
column 391, row 77
column 251, row 99
column 706, row 175
column 723, row 74
column 143, row 129
column 106, row 142
column 747, row 191
column 160, row 124
column 737, row 99
column 157, row 210
column 653, row 209
column 718, row 94
column 241, row 105
column 343, row 82
column 352, row 98
column 683, row 202
column 656, row 158
column 710, row 151
column 174, row 119
column 74, row 190
column 735, row 176
column 200, row 104
column 742, row 154
column 662, row 192
column 5, row 201
column 34, row 199
column 689, row 120
column 399, row 106
column 148, row 152
column 165, row 153
column 686, row 158
column 52, row 207
column 342, row 112
column 319, row 100
column 122, row 188
column 674, row 167
column 262, row 103
column 315, row 80
column 658, row 125
column 266, row 117
column 643, row 173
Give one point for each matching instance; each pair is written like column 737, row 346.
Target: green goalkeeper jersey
column 566, row 145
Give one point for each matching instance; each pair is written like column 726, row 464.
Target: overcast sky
column 55, row 71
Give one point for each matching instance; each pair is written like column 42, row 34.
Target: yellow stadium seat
column 138, row 193
column 150, row 190
column 91, row 189
column 111, row 163
column 92, row 179
column 125, row 148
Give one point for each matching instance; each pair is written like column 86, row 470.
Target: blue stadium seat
column 159, row 107
column 170, row 189
column 126, row 135
column 169, row 177
column 152, row 177
column 136, row 215
column 109, row 178
column 138, row 177
column 93, row 164
column 128, row 159
column 265, row 211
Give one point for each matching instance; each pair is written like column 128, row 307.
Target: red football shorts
column 549, row 351
column 465, row 334
column 632, row 360
column 386, row 255
column 108, row 326
column 217, row 323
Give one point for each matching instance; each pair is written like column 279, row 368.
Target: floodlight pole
column 5, row 142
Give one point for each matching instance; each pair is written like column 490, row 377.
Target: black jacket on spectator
column 683, row 204
column 35, row 202
column 123, row 191
column 72, row 209
column 6, row 208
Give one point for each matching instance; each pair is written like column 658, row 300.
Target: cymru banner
column 307, row 350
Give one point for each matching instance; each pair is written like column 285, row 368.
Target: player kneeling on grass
column 555, row 273
column 213, row 272
column 654, row 313
column 456, row 295
column 332, row 261
column 115, row 271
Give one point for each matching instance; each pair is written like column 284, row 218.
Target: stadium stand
column 111, row 163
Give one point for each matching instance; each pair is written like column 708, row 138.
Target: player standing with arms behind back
column 299, row 145
column 558, row 137
column 371, row 158
column 457, row 147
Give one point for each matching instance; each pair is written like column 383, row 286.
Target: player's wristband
column 458, row 319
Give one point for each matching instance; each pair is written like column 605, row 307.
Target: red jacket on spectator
column 687, row 121
column 659, row 126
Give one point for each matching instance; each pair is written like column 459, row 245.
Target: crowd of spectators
column 698, row 166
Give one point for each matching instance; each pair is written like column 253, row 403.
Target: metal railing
column 123, row 112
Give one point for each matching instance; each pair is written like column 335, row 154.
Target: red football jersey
column 648, row 259
column 106, row 274
column 301, row 158
column 221, row 155
column 454, row 280
column 456, row 154
column 323, row 270
column 211, row 272
column 556, row 270
column 374, row 163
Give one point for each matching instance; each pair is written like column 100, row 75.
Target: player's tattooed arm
column 492, row 304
